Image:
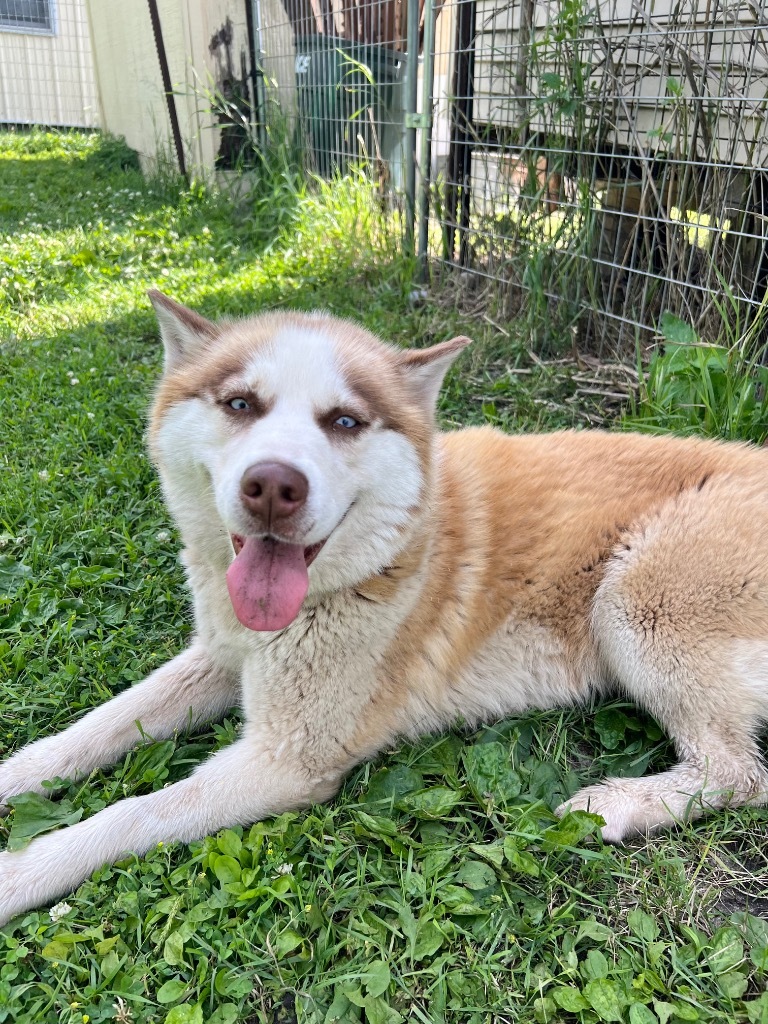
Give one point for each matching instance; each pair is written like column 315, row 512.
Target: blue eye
column 346, row 422
column 238, row 404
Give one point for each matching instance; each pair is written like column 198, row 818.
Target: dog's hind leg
column 708, row 777
column 186, row 691
column 681, row 623
column 238, row 785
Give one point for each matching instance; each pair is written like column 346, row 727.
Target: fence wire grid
column 606, row 160
column 340, row 72
column 598, row 163
column 588, row 164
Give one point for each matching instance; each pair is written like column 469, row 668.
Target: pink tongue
column 267, row 583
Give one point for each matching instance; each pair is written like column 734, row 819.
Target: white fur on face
column 361, row 486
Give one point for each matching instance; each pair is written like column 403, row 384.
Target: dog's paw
column 615, row 804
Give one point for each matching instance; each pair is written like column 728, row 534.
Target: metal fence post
column 460, row 147
column 170, row 98
column 425, row 159
column 412, row 71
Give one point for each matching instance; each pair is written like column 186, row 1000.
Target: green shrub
column 695, row 388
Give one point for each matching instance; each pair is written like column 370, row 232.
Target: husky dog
column 358, row 576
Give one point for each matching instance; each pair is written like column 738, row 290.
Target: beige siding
column 445, row 31
column 628, row 62
column 47, row 78
column 130, row 82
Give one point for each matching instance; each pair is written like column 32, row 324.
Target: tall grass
column 692, row 387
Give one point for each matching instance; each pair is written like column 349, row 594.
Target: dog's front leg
column 186, row 691
column 238, row 785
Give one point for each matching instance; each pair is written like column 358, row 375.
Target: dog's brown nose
column 273, row 491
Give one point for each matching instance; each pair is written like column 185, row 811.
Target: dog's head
column 291, row 440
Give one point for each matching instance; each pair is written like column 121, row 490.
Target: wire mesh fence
column 340, row 76
column 598, row 162
column 593, row 163
column 46, row 64
column 605, row 161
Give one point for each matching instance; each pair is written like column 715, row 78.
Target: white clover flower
column 73, row 381
column 91, row 415
column 163, row 536
column 44, row 474
column 59, row 911
column 285, row 869
column 70, row 373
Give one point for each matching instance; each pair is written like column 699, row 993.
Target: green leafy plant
column 691, row 387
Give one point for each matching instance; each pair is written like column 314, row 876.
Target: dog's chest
column 312, row 683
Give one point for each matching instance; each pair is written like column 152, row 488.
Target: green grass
column 413, row 895
column 696, row 388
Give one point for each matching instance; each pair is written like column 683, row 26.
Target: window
column 27, row 15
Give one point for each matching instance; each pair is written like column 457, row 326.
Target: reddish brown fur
column 366, row 363
column 522, row 527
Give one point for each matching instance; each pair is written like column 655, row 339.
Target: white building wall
column 133, row 102
column 47, row 77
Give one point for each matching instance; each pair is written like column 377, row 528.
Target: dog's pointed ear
column 185, row 333
column 426, row 367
